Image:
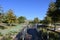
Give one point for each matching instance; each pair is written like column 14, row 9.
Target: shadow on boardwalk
column 32, row 34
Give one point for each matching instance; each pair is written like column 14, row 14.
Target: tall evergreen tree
column 58, row 3
column 54, row 12
column 58, row 9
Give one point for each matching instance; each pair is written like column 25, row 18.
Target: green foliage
column 54, row 12
column 36, row 20
column 51, row 10
column 1, row 14
column 2, row 27
column 58, row 9
column 31, row 22
column 1, row 34
column 52, row 35
column 21, row 19
column 10, row 17
column 47, row 20
column 57, row 3
column 7, row 38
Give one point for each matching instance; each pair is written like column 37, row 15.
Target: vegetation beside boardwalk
column 48, row 33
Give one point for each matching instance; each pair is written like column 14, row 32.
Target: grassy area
column 10, row 32
column 12, row 29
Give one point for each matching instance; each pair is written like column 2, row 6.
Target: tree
column 47, row 20
column 58, row 4
column 36, row 20
column 58, row 9
column 31, row 22
column 54, row 13
column 1, row 14
column 21, row 19
column 51, row 12
column 10, row 17
column 51, row 9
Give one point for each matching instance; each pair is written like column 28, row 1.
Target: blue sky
column 28, row 8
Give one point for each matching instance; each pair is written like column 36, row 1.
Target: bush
column 52, row 35
column 2, row 27
column 1, row 34
column 6, row 38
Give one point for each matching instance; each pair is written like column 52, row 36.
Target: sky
column 28, row 8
